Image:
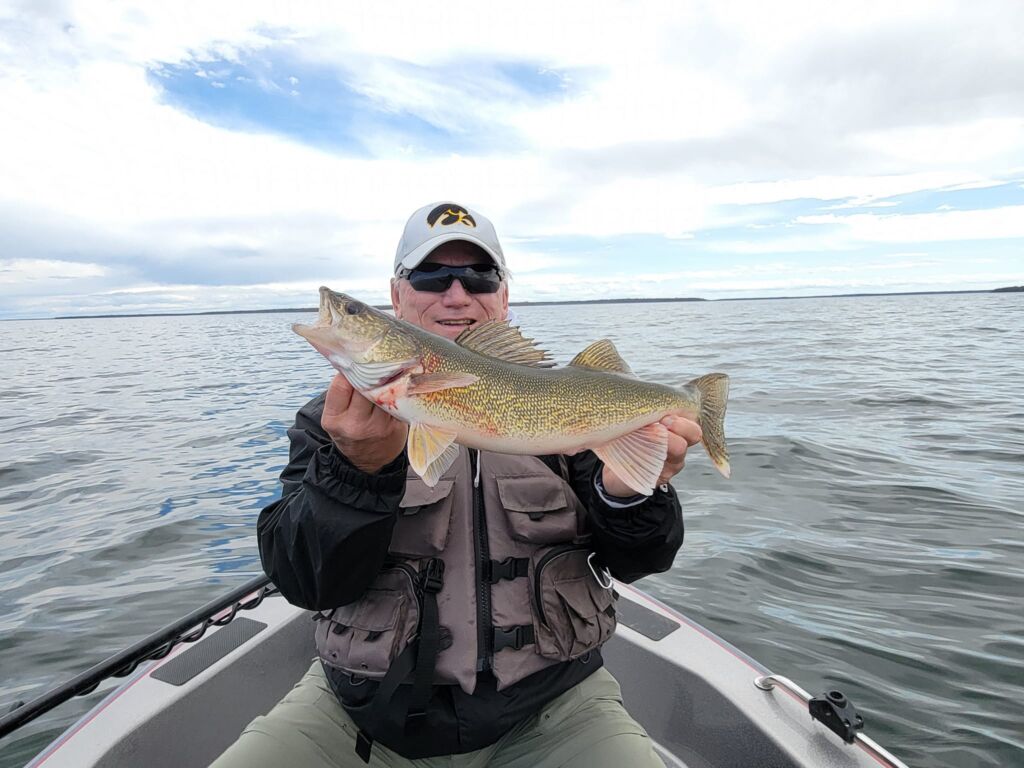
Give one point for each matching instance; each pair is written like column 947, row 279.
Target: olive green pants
column 585, row 727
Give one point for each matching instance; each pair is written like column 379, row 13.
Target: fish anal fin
column 431, row 451
column 638, row 457
column 423, row 383
column 602, row 356
column 498, row 339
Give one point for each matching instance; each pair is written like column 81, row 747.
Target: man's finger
column 360, row 408
column 381, row 419
column 676, row 448
column 339, row 395
column 689, row 431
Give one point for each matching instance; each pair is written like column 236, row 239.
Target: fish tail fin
column 714, row 395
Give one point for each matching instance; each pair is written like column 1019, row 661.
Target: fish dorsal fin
column 496, row 338
column 602, row 356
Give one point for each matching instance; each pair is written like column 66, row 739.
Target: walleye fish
column 494, row 390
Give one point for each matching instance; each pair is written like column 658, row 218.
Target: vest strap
column 513, row 637
column 509, row 568
column 429, row 642
column 418, row 660
column 399, row 670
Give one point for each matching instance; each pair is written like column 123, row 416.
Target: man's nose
column 456, row 295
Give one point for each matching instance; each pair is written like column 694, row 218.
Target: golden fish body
column 492, row 389
column 521, row 409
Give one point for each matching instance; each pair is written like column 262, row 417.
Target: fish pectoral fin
column 423, row 383
column 637, row 458
column 602, row 356
column 431, row 451
column 496, row 338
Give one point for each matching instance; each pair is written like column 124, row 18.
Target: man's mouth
column 462, row 322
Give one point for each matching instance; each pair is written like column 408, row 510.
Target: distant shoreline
column 308, row 310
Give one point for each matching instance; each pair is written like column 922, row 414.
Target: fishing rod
column 187, row 629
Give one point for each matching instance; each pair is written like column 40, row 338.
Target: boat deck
column 692, row 691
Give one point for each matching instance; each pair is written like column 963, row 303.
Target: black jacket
column 324, row 541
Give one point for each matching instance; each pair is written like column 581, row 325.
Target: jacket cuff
column 335, row 476
column 627, row 509
column 615, row 502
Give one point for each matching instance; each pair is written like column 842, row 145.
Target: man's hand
column 682, row 433
column 368, row 436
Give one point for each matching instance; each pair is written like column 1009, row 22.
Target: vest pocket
column 364, row 637
column 572, row 613
column 538, row 508
column 424, row 519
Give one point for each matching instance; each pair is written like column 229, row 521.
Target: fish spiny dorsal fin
column 496, row 338
column 602, row 356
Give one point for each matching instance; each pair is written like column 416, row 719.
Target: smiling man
column 449, row 276
column 465, row 618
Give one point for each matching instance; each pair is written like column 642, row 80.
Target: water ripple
column 869, row 538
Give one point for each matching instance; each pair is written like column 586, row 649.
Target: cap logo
column 449, row 213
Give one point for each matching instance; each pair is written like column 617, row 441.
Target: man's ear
column 394, row 298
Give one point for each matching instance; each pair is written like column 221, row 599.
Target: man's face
column 448, row 314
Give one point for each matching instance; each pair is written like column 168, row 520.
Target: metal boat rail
column 834, row 711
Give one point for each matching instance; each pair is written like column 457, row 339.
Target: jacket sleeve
column 634, row 541
column 326, row 538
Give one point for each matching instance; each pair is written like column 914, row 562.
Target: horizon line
column 624, row 300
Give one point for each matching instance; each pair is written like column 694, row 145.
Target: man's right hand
column 366, row 435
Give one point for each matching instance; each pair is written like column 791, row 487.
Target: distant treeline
column 314, row 310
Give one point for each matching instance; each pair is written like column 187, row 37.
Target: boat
column 191, row 688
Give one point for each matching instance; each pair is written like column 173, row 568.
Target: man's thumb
column 339, row 395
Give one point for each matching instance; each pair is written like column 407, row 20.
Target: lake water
column 870, row 538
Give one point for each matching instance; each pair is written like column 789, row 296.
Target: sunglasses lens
column 431, row 282
column 437, row 278
column 480, row 283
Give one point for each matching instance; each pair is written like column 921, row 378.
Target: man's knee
column 635, row 750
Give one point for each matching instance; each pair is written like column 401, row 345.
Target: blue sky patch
column 311, row 105
column 326, row 107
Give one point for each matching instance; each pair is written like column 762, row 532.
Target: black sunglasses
column 437, row 278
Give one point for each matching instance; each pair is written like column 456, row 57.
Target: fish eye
column 353, row 308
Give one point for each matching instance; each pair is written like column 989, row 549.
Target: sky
column 190, row 156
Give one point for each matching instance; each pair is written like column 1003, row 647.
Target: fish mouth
column 330, row 334
column 329, row 307
column 326, row 316
column 316, row 336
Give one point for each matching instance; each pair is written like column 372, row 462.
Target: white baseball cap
column 439, row 223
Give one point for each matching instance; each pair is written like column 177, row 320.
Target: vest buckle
column 514, row 637
column 433, row 575
column 509, row 568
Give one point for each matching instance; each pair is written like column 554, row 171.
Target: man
column 465, row 618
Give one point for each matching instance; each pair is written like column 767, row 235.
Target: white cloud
column 988, row 224
column 14, row 271
column 676, row 118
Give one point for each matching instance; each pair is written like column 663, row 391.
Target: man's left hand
column 682, row 433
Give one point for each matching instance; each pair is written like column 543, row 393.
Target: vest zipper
column 539, row 570
column 484, row 637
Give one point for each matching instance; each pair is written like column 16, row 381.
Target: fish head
column 348, row 332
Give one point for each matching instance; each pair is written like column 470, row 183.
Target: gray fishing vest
column 528, row 564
